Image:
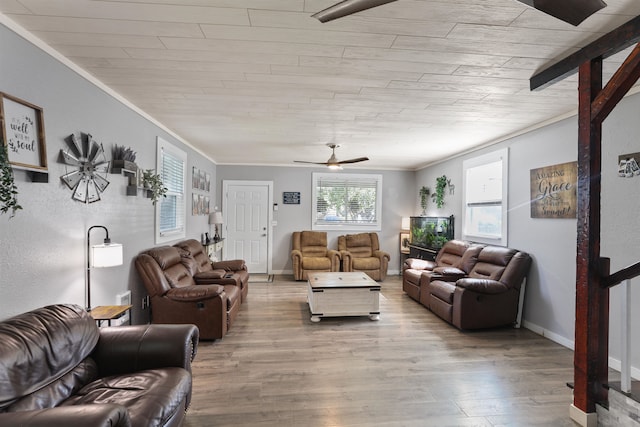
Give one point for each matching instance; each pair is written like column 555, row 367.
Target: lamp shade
column 216, row 218
column 106, row 255
column 406, row 224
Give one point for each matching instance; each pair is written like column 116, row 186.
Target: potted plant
column 424, row 199
column 124, row 158
column 8, row 189
column 438, row 195
column 152, row 182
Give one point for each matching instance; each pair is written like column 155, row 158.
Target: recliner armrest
column 230, row 265
column 296, row 253
column 195, row 293
column 381, row 254
column 483, row 286
column 126, row 349
column 103, row 415
column 331, row 253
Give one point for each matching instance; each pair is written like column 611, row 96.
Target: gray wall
column 398, row 195
column 43, row 247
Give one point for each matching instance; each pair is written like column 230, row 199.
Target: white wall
column 398, row 195
column 42, row 249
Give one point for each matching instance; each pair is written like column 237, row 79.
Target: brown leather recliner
column 488, row 296
column 232, row 272
column 310, row 254
column 449, row 262
column 57, row 368
column 361, row 252
column 176, row 298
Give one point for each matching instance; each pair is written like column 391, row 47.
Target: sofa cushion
column 366, row 264
column 59, row 390
column 443, row 290
column 316, row 263
column 35, row 350
column 359, row 245
column 151, row 397
column 492, row 261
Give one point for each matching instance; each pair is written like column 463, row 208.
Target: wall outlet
column 145, row 302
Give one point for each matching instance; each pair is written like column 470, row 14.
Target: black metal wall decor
column 86, row 166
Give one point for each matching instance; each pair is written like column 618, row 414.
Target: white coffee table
column 343, row 294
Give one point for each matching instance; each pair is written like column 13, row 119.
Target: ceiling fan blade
column 359, row 159
column 309, row 163
column 571, row 11
column 347, row 7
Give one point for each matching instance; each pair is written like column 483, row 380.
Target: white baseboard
column 548, row 334
column 614, row 364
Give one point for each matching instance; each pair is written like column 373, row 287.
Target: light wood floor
column 276, row 368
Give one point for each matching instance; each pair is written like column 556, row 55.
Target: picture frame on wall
column 405, row 239
column 22, row 130
column 195, row 178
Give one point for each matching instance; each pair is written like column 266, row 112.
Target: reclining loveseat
column 57, row 368
column 471, row 286
column 184, row 289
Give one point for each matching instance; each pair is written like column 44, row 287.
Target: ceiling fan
column 333, row 162
column 571, row 11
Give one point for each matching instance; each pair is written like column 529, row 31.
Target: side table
column 109, row 313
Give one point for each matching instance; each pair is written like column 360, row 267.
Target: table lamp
column 215, row 219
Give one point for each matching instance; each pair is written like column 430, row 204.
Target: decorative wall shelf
column 123, row 167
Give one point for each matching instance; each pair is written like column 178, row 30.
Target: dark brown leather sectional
column 57, row 368
column 471, row 286
column 185, row 287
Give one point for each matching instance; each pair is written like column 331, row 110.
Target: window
column 347, row 202
column 485, row 204
column 171, row 210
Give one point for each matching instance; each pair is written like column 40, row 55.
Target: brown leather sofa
column 470, row 286
column 168, row 273
column 57, row 368
column 231, row 272
column 361, row 252
column 309, row 253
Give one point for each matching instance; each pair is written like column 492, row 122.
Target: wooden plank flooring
column 277, row 368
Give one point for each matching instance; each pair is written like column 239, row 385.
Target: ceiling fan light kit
column 570, row 11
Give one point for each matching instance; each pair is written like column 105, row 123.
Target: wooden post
column 592, row 301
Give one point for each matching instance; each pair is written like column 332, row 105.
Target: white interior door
column 246, row 211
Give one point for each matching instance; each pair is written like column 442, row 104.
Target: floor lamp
column 105, row 255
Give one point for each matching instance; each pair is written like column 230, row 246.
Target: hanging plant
column 153, row 183
column 424, row 199
column 8, row 189
column 438, row 195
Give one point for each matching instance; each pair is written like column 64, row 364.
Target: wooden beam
column 611, row 43
column 623, row 80
column 592, row 302
column 622, row 275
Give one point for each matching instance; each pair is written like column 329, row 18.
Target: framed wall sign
column 291, row 197
column 23, row 133
column 405, row 239
column 553, row 191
